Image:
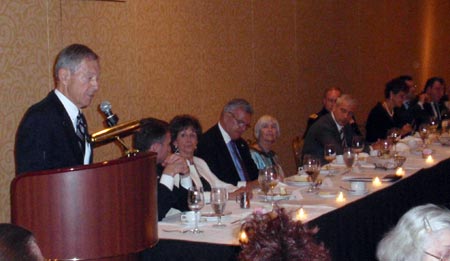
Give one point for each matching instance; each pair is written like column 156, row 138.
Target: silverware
column 347, row 189
column 176, row 230
column 237, row 221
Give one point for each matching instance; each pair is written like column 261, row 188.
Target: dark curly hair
column 275, row 236
column 182, row 122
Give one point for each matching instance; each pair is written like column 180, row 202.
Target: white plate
column 293, row 181
column 275, row 197
column 211, row 216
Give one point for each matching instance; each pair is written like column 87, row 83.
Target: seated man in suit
column 330, row 96
column 223, row 148
column 333, row 128
column 431, row 106
column 404, row 114
column 53, row 132
column 154, row 136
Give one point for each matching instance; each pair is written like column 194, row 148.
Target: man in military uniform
column 330, row 96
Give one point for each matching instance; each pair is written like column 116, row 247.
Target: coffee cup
column 374, row 153
column 340, row 159
column 358, row 187
column 188, row 216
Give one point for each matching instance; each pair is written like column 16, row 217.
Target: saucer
column 358, row 193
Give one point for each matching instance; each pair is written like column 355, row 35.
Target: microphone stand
column 114, row 134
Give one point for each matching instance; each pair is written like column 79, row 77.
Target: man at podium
column 53, row 132
column 154, row 136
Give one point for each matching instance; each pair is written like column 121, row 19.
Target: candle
column 340, row 197
column 243, row 239
column 301, row 215
column 376, row 182
column 429, row 160
column 400, row 172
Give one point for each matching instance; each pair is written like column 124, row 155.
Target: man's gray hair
column 238, row 103
column 71, row 57
column 345, row 98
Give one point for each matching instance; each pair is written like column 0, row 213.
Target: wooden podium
column 103, row 210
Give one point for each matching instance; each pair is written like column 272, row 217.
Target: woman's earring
column 176, row 149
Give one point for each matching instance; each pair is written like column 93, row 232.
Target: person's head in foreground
column 276, row 236
column 422, row 233
column 18, row 244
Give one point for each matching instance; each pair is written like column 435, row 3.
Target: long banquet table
column 350, row 229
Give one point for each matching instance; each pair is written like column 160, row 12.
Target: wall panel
column 162, row 58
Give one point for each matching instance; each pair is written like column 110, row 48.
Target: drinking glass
column 394, row 136
column 433, row 125
column 196, row 201
column 330, row 152
column 423, row 132
column 385, row 149
column 357, row 146
column 349, row 157
column 219, row 197
column 268, row 179
column 311, row 166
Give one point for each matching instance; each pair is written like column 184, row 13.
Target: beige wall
column 165, row 57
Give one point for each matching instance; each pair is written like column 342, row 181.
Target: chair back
column 297, row 147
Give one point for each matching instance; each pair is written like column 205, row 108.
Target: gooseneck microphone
column 111, row 118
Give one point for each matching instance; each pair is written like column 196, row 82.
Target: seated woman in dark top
column 382, row 118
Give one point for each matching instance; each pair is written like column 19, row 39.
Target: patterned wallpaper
column 161, row 58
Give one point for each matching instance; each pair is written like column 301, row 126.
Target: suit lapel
column 67, row 126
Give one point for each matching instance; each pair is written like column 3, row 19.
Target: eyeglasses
column 240, row 123
column 445, row 257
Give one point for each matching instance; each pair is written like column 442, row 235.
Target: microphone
column 111, row 118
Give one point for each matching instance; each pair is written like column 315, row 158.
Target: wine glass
column 394, row 136
column 329, row 155
column 349, row 157
column 357, row 146
column 268, row 179
column 423, row 132
column 330, row 152
column 219, row 197
column 196, row 201
column 311, row 166
column 433, row 125
column 385, row 148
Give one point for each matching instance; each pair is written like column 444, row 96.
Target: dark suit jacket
column 46, row 138
column 324, row 131
column 214, row 151
column 316, row 116
column 167, row 199
column 379, row 123
column 424, row 115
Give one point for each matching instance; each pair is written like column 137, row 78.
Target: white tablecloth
column 314, row 204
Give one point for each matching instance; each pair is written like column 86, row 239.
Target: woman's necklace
column 390, row 112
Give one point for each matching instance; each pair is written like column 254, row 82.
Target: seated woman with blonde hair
column 267, row 131
column 423, row 233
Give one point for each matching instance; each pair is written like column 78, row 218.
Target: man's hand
column 175, row 164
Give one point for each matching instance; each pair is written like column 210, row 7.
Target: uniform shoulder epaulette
column 313, row 116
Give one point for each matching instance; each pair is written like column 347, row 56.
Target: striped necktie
column 342, row 136
column 238, row 162
column 81, row 131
